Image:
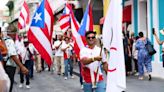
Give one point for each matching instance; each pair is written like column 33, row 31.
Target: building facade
column 145, row 15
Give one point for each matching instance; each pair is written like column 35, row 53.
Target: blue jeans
column 101, row 87
column 66, row 63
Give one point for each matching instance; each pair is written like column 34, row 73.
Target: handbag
column 150, row 48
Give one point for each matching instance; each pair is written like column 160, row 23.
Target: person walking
column 67, row 48
column 144, row 59
column 160, row 43
column 28, row 63
column 59, row 59
column 91, row 69
column 12, row 59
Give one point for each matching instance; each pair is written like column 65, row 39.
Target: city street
column 47, row 82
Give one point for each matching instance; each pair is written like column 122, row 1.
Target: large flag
column 87, row 21
column 24, row 17
column 113, row 42
column 78, row 39
column 40, row 32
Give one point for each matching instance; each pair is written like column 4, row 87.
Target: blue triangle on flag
column 38, row 18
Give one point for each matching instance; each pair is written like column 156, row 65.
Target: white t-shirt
column 58, row 52
column 67, row 52
column 92, row 67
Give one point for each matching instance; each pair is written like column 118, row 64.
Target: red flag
column 40, row 32
column 24, row 16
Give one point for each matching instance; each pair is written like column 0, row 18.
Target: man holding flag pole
column 91, row 59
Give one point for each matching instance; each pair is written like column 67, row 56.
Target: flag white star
column 38, row 17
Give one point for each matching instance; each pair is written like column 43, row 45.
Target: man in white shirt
column 59, row 59
column 91, row 58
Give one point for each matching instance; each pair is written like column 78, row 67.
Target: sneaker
column 149, row 77
column 21, row 85
column 28, row 86
column 82, row 86
column 72, row 77
column 65, row 78
column 136, row 74
column 140, row 78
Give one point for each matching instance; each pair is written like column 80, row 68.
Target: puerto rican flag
column 64, row 20
column 79, row 42
column 78, row 31
column 24, row 17
column 40, row 32
column 87, row 21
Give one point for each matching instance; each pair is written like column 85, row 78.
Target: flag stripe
column 90, row 18
column 64, row 22
column 46, row 33
column 50, row 14
column 23, row 19
column 76, row 35
column 40, row 47
column 26, row 12
column 42, row 38
column 65, row 26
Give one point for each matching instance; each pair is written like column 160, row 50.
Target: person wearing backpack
column 144, row 59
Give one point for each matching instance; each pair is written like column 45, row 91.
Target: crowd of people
column 17, row 51
column 137, row 56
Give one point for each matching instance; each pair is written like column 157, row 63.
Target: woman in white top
column 160, row 43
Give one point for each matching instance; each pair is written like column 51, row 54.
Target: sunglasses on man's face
column 93, row 37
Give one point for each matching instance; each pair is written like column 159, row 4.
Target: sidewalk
column 47, row 82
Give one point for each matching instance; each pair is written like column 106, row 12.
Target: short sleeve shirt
column 88, row 53
column 58, row 52
column 11, row 51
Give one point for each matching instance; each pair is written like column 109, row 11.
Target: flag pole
column 95, row 82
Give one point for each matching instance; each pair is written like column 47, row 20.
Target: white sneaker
column 82, row 86
column 72, row 77
column 20, row 85
column 65, row 78
column 28, row 86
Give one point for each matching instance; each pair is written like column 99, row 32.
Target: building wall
column 155, row 20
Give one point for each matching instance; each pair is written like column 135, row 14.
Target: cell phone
column 153, row 30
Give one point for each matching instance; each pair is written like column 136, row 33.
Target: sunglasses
column 93, row 37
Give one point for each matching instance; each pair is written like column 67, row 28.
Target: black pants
column 10, row 70
column 28, row 66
